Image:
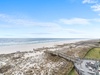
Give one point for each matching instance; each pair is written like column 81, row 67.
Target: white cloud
column 90, row 1
column 25, row 22
column 77, row 21
column 44, row 29
column 29, row 22
column 96, row 7
column 74, row 31
column 96, row 20
column 24, row 26
column 3, row 16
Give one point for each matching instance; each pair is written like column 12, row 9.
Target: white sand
column 29, row 47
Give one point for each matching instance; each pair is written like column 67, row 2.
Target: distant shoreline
column 30, row 47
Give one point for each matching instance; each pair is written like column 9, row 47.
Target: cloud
column 27, row 26
column 43, row 29
column 77, row 21
column 96, row 7
column 3, row 16
column 74, row 31
column 10, row 20
column 41, row 33
column 90, row 1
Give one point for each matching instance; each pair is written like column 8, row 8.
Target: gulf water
column 20, row 41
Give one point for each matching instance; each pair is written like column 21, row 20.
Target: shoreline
column 39, row 61
column 30, row 47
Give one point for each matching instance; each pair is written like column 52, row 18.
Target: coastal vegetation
column 39, row 62
column 92, row 53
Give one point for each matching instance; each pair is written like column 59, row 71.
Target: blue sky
column 49, row 18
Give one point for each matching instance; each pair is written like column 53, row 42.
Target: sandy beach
column 30, row 47
column 31, row 61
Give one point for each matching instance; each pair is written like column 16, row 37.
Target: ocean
column 21, row 41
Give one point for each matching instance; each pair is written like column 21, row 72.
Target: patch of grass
column 94, row 53
column 73, row 72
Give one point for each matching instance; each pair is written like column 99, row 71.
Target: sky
column 49, row 18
